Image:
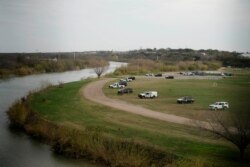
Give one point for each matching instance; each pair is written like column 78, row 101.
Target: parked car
column 158, row 75
column 128, row 79
column 148, row 94
column 219, row 105
column 169, row 77
column 185, row 99
column 188, row 73
column 123, row 83
column 116, row 85
column 228, row 74
column 149, row 75
column 131, row 77
column 125, row 90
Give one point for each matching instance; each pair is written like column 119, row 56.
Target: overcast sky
column 84, row 25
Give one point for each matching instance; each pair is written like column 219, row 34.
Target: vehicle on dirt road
column 158, row 75
column 219, row 106
column 126, row 80
column 149, row 75
column 148, row 94
column 123, row 83
column 185, row 99
column 116, row 85
column 131, row 77
column 125, row 90
column 169, row 77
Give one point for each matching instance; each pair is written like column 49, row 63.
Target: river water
column 16, row 148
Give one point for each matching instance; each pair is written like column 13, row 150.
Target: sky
column 120, row 25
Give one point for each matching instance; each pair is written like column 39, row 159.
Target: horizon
column 33, row 26
column 119, row 51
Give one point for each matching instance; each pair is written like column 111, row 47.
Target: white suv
column 116, row 85
column 148, row 94
column 219, row 106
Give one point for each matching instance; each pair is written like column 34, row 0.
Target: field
column 235, row 90
column 66, row 106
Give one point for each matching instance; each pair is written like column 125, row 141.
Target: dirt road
column 93, row 92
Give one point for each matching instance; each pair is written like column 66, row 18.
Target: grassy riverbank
column 82, row 129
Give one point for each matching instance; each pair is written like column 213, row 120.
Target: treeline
column 31, row 63
column 233, row 59
column 143, row 66
column 164, row 60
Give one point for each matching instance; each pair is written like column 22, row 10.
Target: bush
column 90, row 143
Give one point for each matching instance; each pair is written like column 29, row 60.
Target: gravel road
column 93, row 92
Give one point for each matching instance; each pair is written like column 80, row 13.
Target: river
column 16, row 148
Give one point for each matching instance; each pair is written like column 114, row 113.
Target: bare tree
column 100, row 70
column 234, row 127
column 99, row 65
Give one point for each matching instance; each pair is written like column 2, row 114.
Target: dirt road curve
column 93, row 92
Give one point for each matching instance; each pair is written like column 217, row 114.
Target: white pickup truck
column 116, row 85
column 148, row 94
column 219, row 106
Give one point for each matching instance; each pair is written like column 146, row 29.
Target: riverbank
column 116, row 138
column 90, row 143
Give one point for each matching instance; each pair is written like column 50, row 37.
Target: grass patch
column 65, row 107
column 235, row 90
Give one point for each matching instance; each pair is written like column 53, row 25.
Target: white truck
column 148, row 94
column 219, row 105
column 126, row 80
column 116, row 85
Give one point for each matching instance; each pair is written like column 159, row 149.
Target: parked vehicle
column 123, row 83
column 149, row 75
column 228, row 74
column 126, row 80
column 125, row 90
column 219, row 106
column 131, row 77
column 116, row 85
column 148, row 94
column 188, row 73
column 158, row 75
column 169, row 77
column 185, row 99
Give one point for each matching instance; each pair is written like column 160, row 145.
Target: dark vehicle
column 132, row 77
column 158, row 75
column 169, row 77
column 228, row 74
column 123, row 83
column 125, row 90
column 185, row 99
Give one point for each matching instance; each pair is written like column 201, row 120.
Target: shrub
column 90, row 143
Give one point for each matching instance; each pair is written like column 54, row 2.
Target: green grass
column 66, row 106
column 235, row 90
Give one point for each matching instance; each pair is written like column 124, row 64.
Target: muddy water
column 16, row 148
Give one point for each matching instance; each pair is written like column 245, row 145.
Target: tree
column 235, row 128
column 100, row 70
column 99, row 65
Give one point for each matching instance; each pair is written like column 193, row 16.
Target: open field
column 235, row 90
column 65, row 106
